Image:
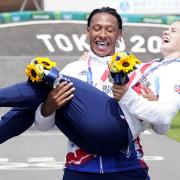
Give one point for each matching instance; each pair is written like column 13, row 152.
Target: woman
column 100, row 123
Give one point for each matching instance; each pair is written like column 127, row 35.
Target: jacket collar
column 102, row 60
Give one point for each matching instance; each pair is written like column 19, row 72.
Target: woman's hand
column 149, row 94
column 119, row 90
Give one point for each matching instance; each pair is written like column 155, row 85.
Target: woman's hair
column 108, row 10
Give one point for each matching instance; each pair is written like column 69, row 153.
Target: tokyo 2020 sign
column 68, row 39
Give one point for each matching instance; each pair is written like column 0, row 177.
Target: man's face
column 171, row 40
column 103, row 34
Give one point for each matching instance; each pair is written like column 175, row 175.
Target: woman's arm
column 153, row 112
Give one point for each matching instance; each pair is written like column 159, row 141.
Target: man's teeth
column 102, row 44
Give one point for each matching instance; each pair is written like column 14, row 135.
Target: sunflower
column 123, row 62
column 34, row 72
column 45, row 61
column 125, row 65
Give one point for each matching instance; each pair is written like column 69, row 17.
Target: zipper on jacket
column 101, row 165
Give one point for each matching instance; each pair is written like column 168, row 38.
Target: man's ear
column 120, row 34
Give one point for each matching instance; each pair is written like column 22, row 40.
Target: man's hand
column 118, row 91
column 58, row 98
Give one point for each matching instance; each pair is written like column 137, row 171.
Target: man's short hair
column 108, row 10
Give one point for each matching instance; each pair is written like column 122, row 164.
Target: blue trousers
column 136, row 174
column 91, row 119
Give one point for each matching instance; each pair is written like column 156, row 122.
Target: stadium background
column 30, row 28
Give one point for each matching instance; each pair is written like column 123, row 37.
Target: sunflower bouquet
column 42, row 69
column 120, row 65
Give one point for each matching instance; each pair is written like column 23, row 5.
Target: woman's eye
column 173, row 30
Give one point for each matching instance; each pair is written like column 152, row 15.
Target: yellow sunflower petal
column 123, row 61
column 34, row 72
column 47, row 63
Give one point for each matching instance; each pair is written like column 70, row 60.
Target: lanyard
column 143, row 68
column 90, row 75
column 163, row 63
column 137, row 86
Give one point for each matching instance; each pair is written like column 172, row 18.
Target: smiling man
column 103, row 32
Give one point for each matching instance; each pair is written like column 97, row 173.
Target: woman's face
column 171, row 40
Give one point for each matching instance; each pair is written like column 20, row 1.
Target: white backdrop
column 70, row 5
column 166, row 7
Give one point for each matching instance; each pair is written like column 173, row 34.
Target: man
column 104, row 29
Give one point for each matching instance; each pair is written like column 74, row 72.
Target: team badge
column 177, row 88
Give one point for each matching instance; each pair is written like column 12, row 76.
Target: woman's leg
column 24, row 95
column 15, row 122
column 97, row 118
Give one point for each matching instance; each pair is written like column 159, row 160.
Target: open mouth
column 102, row 45
column 166, row 41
